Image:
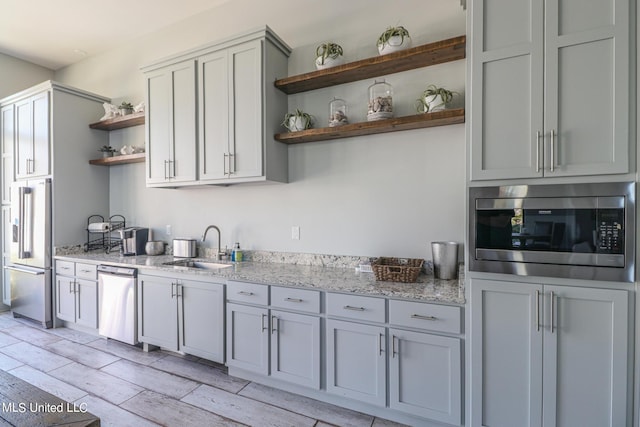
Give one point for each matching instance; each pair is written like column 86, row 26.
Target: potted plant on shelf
column 393, row 40
column 328, row 55
column 297, row 121
column 107, row 151
column 434, row 98
column 126, row 108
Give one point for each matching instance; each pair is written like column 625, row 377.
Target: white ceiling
column 55, row 34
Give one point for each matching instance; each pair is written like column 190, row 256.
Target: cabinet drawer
column 86, row 271
column 295, row 299
column 65, row 268
column 251, row 293
column 434, row 317
column 356, row 307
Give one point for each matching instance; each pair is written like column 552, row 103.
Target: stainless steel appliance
column 583, row 231
column 30, row 250
column 133, row 240
column 184, row 248
column 117, row 295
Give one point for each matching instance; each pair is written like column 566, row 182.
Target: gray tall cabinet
column 44, row 133
column 549, row 88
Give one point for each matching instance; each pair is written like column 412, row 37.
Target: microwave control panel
column 610, row 231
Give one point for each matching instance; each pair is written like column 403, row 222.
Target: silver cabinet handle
column 552, row 154
column 552, row 309
column 224, row 164
column 350, row 307
column 70, row 287
column 166, row 167
column 172, row 168
column 538, row 151
column 274, row 323
column 232, row 157
column 173, row 293
column 249, row 294
column 264, row 328
column 179, row 290
column 293, row 299
column 537, row 311
column 421, row 317
column 393, row 346
column 380, row 349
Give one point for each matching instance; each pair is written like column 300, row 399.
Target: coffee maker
column 133, row 240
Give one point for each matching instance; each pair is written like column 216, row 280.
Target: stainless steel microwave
column 582, row 231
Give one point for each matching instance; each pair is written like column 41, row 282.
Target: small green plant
column 301, row 121
column 424, row 103
column 391, row 32
column 328, row 50
column 107, row 149
column 126, row 106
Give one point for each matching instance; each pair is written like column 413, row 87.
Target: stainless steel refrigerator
column 31, row 252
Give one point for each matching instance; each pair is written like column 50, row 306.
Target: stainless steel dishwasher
column 117, row 295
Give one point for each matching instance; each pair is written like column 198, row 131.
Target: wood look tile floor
column 125, row 386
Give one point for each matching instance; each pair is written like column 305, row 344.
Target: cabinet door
column 24, row 138
column 7, row 135
column 587, row 86
column 506, row 354
column 41, row 138
column 158, row 312
column 585, row 357
column 295, row 348
column 425, row 375
column 248, row 338
column 201, row 319
column 65, row 298
column 506, row 77
column 246, row 105
column 171, row 124
column 356, row 361
column 215, row 92
column 87, row 303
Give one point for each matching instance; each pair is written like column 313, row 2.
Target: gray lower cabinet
column 76, row 293
column 182, row 315
column 248, row 338
column 544, row 355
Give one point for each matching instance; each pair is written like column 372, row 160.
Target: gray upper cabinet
column 171, row 125
column 32, row 137
column 549, row 88
column 550, row 356
column 229, row 136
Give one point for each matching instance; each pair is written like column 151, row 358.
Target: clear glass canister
column 337, row 112
column 380, row 101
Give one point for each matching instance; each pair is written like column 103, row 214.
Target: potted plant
column 126, row 108
column 434, row 98
column 298, row 120
column 393, row 40
column 107, row 151
column 328, row 55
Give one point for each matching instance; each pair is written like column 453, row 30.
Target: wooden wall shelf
column 119, row 160
column 409, row 59
column 121, row 122
column 418, row 121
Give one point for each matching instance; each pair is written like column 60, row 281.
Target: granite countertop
column 336, row 279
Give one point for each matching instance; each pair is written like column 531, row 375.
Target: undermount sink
column 204, row 265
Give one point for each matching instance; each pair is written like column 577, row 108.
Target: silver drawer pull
column 85, row 271
column 419, row 316
column 293, row 299
column 249, row 294
column 350, row 307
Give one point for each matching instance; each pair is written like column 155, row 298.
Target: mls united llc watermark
column 23, row 407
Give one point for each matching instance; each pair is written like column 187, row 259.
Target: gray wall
column 17, row 75
column 388, row 194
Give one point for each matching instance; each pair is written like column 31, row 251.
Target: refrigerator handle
column 22, row 270
column 24, row 231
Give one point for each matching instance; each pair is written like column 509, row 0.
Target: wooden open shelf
column 120, row 122
column 119, row 160
column 418, row 121
column 409, row 59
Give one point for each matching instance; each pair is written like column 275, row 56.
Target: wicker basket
column 404, row 270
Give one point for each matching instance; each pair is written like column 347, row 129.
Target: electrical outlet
column 295, row 232
column 168, row 230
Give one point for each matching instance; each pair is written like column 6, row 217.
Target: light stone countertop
column 336, row 279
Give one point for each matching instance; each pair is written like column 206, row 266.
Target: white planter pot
column 394, row 44
column 433, row 103
column 328, row 62
column 296, row 124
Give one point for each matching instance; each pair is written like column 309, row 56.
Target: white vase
column 328, row 62
column 433, row 103
column 394, row 44
column 296, row 123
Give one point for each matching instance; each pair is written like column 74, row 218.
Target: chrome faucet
column 204, row 236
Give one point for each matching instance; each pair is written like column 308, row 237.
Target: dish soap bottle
column 236, row 255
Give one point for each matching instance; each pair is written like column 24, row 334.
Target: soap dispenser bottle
column 236, row 254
